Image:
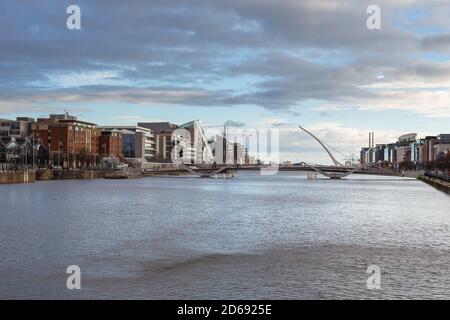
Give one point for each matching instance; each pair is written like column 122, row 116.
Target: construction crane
column 353, row 158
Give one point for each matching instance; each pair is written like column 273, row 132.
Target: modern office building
column 229, row 152
column 379, row 152
column 389, row 153
column 409, row 149
column 239, row 154
column 407, row 139
column 415, row 151
column 137, row 142
column 19, row 128
column 427, row 149
column 405, row 148
column 442, row 146
column 198, row 150
column 162, row 132
column 364, row 156
column 403, row 154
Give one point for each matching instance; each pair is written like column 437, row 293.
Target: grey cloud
column 173, row 52
column 232, row 123
column 440, row 42
column 114, row 94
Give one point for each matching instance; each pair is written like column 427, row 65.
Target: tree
column 82, row 157
column 407, row 165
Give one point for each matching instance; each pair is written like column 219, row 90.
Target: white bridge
column 209, row 172
column 332, row 175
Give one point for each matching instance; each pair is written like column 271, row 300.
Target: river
column 251, row 237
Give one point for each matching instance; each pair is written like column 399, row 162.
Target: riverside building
column 137, row 142
column 70, row 143
column 162, row 132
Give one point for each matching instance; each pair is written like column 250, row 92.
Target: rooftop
column 407, row 137
column 122, row 127
column 77, row 121
column 158, row 127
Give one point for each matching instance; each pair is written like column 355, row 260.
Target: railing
column 443, row 177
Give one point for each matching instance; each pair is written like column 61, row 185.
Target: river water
column 251, row 237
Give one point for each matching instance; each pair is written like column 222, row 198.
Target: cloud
column 440, row 42
column 112, row 94
column 232, row 123
column 197, row 53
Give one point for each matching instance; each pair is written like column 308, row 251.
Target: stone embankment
column 17, row 177
column 47, row 174
column 437, row 183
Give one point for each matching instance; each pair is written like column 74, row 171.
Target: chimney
column 370, row 139
column 373, row 139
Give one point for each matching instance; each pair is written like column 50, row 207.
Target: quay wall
column 17, row 177
column 437, row 183
column 47, row 174
column 82, row 174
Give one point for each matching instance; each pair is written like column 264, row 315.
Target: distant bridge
column 372, row 170
column 202, row 171
column 339, row 170
column 209, row 172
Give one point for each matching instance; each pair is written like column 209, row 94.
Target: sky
column 249, row 63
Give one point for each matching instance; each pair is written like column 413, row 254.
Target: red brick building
column 110, row 143
column 69, row 141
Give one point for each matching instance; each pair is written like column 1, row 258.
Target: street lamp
column 11, row 147
column 36, row 149
column 25, row 145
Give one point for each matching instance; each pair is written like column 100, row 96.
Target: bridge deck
column 209, row 170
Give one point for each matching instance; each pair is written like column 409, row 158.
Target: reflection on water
column 250, row 237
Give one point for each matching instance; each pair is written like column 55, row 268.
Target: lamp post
column 10, row 148
column 27, row 142
column 1, row 156
column 35, row 153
